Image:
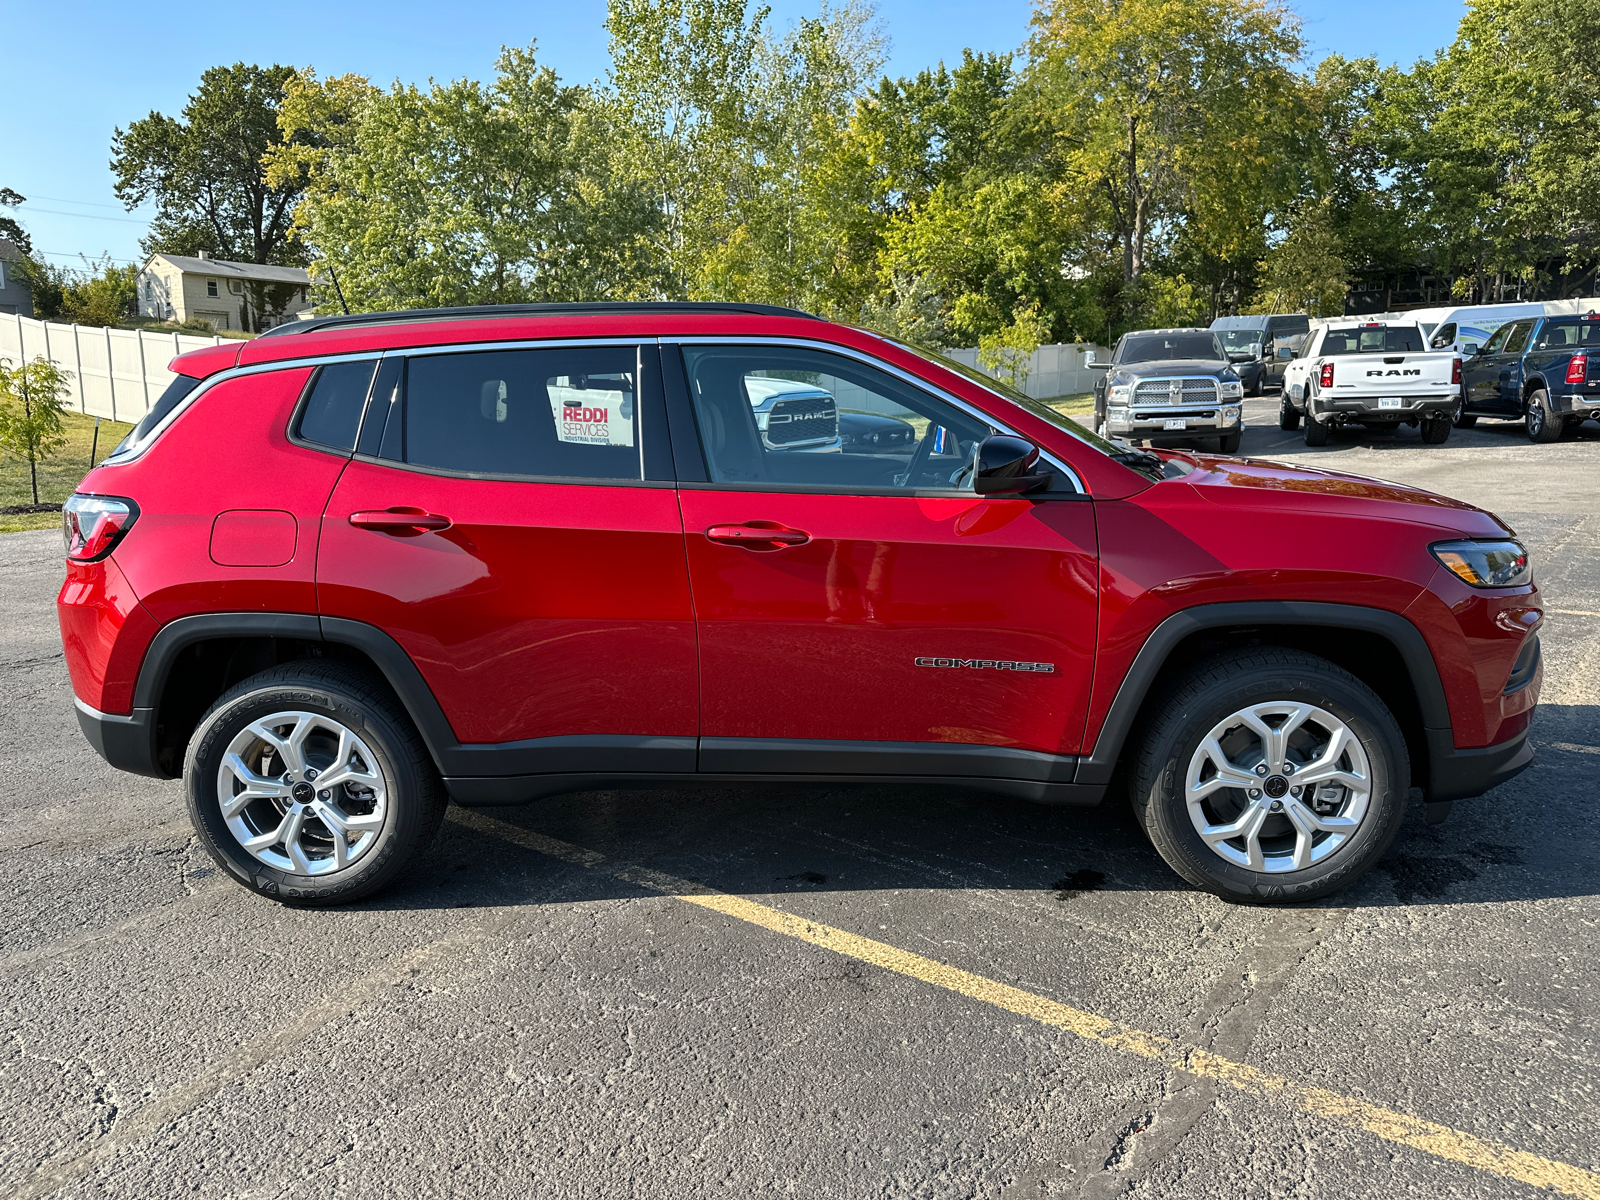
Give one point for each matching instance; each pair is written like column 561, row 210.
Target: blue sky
column 75, row 71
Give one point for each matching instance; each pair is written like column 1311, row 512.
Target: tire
column 1542, row 426
column 1435, row 430
column 1316, row 432
column 1204, row 706
column 1228, row 443
column 393, row 802
column 1288, row 415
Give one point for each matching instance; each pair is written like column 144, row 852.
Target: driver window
column 1445, row 337
column 810, row 419
column 1496, row 340
column 1518, row 337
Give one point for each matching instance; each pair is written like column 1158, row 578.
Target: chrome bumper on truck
column 1360, row 407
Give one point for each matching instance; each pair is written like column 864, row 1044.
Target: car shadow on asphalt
column 1263, row 440
column 797, row 839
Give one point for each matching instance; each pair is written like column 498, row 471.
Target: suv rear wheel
column 1274, row 776
column 307, row 783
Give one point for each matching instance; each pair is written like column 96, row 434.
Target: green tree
column 1306, row 271
column 462, row 193
column 98, row 293
column 33, row 397
column 1162, row 108
column 206, row 173
column 10, row 228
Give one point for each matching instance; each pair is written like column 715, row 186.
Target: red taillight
column 1455, row 370
column 93, row 525
column 1327, row 375
column 1578, row 368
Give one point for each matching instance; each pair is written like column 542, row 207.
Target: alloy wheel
column 302, row 793
column 1278, row 787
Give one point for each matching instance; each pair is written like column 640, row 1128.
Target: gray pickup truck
column 1170, row 387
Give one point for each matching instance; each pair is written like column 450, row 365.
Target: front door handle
column 757, row 535
column 400, row 520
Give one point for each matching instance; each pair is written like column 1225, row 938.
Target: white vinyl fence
column 116, row 373
column 1056, row 370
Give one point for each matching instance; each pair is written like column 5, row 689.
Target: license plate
column 1179, row 424
column 1390, row 402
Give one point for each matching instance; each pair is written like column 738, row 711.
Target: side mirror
column 1470, row 349
column 1255, row 351
column 1092, row 361
column 1005, row 466
column 1285, row 352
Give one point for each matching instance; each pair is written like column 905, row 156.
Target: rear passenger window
column 566, row 412
column 333, row 410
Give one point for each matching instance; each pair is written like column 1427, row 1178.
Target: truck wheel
column 1272, row 776
column 1461, row 418
column 1435, row 430
column 307, row 783
column 1228, row 443
column 1288, row 415
column 1316, row 432
column 1542, row 426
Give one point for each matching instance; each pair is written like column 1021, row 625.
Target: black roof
column 587, row 308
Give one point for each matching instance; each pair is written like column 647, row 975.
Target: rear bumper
column 1462, row 774
column 1361, row 408
column 1576, row 404
column 126, row 742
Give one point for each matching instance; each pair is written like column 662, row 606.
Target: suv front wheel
column 307, row 783
column 1273, row 776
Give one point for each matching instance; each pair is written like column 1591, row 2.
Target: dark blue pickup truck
column 1542, row 370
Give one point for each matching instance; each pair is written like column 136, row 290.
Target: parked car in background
column 1171, row 387
column 1374, row 374
column 793, row 416
column 867, row 432
column 1544, row 371
column 356, row 568
column 1261, row 347
column 1462, row 330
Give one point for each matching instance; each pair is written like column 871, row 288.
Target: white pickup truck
column 1370, row 373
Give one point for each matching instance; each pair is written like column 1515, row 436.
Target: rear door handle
column 399, row 520
column 757, row 535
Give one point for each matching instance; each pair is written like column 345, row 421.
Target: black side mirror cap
column 1005, row 466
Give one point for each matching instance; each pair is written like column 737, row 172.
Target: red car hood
column 1257, row 483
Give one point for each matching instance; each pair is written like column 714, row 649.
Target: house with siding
column 227, row 295
column 15, row 295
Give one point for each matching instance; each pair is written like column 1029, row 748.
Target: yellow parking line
column 1438, row 1140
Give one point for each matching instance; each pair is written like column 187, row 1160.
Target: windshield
column 1155, row 347
column 1142, row 461
column 1401, row 339
column 1239, row 341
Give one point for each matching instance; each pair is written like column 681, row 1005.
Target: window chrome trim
column 903, row 375
column 138, row 448
column 289, row 364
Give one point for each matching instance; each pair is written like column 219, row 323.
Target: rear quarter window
column 332, row 412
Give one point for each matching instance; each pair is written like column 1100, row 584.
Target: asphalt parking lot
column 883, row 992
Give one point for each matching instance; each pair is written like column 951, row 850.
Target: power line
column 69, row 200
column 56, row 212
column 80, row 254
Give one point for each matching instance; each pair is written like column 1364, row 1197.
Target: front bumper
column 1462, row 774
column 1205, row 420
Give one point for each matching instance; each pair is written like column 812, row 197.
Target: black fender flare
column 1407, row 639
column 135, row 736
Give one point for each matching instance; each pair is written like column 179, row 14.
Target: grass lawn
column 58, row 474
column 1072, row 406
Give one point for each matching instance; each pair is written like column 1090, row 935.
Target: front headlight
column 1488, row 564
column 1121, row 393
column 1232, row 389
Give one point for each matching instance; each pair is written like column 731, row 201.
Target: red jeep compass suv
column 365, row 564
